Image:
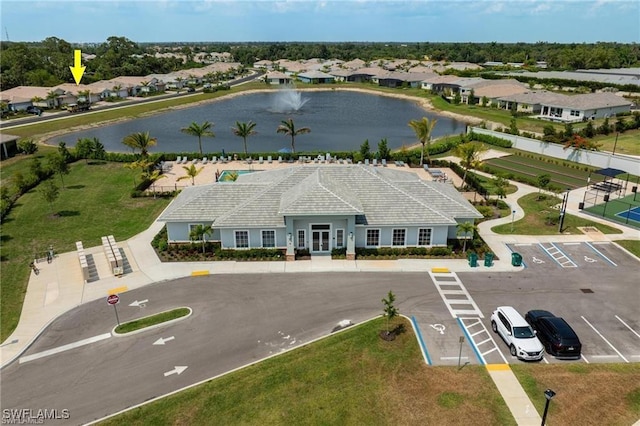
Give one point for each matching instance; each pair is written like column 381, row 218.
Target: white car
column 517, row 334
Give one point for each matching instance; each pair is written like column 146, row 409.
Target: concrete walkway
column 59, row 286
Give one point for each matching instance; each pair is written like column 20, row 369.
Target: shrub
column 491, row 140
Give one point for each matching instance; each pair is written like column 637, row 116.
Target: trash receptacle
column 473, row 259
column 516, row 259
column 488, row 259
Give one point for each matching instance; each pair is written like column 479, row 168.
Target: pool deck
column 207, row 175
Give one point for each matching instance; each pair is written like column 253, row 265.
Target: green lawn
column 541, row 219
column 515, row 166
column 586, row 394
column 152, row 320
column 352, row 378
column 632, row 245
column 95, row 202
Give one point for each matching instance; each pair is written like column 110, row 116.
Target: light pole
column 513, row 216
column 615, row 143
column 563, row 209
column 549, row 394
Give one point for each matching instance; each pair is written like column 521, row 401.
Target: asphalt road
column 239, row 319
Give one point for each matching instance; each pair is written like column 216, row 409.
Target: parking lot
column 593, row 286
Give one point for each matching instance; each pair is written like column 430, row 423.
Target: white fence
column 592, row 158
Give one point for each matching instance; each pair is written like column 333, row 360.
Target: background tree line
column 46, row 63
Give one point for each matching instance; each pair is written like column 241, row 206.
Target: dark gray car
column 556, row 334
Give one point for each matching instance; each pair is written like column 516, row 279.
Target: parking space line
column 477, row 332
column 585, row 358
column 562, row 260
column 627, row 325
column 489, row 351
column 600, row 253
column 423, row 346
column 603, row 338
column 470, row 340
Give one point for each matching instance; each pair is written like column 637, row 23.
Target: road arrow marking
column 177, row 370
column 139, row 302
column 162, row 340
column 77, row 69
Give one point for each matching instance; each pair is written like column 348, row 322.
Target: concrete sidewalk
column 59, row 286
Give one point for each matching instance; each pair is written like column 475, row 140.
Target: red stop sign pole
column 114, row 299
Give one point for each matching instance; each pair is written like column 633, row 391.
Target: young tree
column 198, row 233
column 153, row 177
column 471, row 100
column 58, row 165
column 288, row 128
column 364, row 149
column 589, row 131
column 192, row 172
column 64, row 151
column 199, row 130
column 466, row 228
column 457, row 98
column 244, row 130
column 390, row 311
column 84, row 149
column 49, row 192
column 513, row 127
column 423, row 129
column 543, row 181
column 383, row 149
column 501, row 185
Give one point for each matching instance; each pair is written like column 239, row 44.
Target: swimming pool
column 224, row 176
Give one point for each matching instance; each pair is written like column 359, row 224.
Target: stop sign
column 113, row 299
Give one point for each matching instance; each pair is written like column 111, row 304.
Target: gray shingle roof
column 376, row 196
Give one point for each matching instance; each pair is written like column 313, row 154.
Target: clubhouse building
column 319, row 208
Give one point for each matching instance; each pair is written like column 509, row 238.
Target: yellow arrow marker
column 77, row 69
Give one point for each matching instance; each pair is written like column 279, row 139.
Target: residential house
column 320, row 208
column 316, row 77
column 278, row 78
column 572, row 108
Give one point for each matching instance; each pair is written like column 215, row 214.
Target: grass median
column 540, row 218
column 152, row 320
column 351, row 378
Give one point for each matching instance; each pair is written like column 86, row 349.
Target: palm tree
column 192, row 172
column 244, row 130
column 470, row 156
column 198, row 233
column 199, row 130
column 288, row 128
column 153, row 177
column 466, row 228
column 423, row 129
column 142, row 164
column 230, row 177
column 141, row 141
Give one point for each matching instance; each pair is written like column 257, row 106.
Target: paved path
column 59, row 286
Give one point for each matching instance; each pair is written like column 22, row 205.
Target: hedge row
column 491, row 140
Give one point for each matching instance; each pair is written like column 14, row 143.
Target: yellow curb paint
column 498, row 367
column 440, row 270
column 118, row 290
column 199, row 273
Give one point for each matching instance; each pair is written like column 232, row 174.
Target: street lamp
column 549, row 394
column 513, row 216
column 563, row 208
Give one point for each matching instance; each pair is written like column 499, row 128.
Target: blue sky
column 561, row 21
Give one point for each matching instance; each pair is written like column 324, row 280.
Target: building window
column 302, row 240
column 424, row 237
column 575, row 113
column 373, row 237
column 242, row 239
column 268, row 239
column 339, row 238
column 398, row 237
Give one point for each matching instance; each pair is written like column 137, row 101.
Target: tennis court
column 622, row 210
column 631, row 214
